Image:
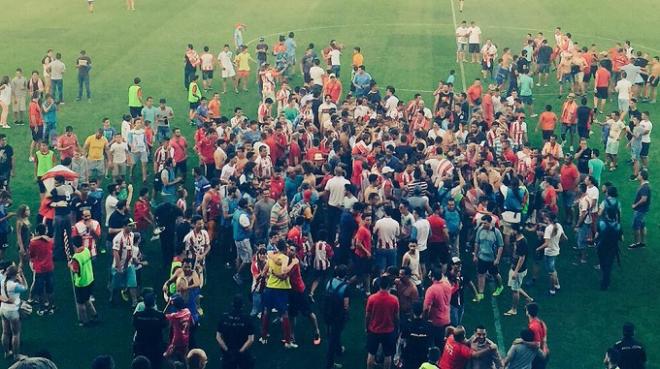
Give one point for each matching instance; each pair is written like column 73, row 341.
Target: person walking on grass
column 135, row 103
column 57, row 69
column 518, row 270
column 13, row 284
column 235, row 336
column 382, row 322
column 608, row 237
column 41, row 260
column 629, row 352
column 641, row 207
column 82, row 271
column 488, row 247
column 84, row 66
column 552, row 235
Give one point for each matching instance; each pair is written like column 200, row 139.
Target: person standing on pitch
column 83, row 282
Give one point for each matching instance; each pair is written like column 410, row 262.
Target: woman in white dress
column 5, row 98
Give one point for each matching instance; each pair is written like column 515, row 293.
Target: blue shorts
column 527, row 100
column 549, row 262
column 275, row 298
column 126, row 279
column 543, row 68
column 583, row 235
column 638, row 222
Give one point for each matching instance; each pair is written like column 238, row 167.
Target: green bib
column 193, row 97
column 85, row 275
column 133, row 96
column 44, row 162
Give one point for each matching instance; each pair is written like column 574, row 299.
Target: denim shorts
column 549, row 262
column 638, row 222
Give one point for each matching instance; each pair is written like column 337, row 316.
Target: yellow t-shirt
column 95, row 147
column 243, row 61
column 358, row 60
column 273, row 281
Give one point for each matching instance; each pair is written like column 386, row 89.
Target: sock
column 286, row 327
column 264, row 324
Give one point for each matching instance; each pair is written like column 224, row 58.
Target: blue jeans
column 385, row 258
column 456, row 315
column 84, row 80
column 162, row 132
column 256, row 304
column 335, row 69
column 57, row 89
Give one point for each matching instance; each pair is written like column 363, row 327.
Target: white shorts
column 228, row 73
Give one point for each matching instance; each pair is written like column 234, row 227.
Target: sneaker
column 552, row 292
column 317, row 339
column 41, row 312
column 478, row 297
column 498, row 291
column 635, row 245
column 31, row 159
column 557, row 288
column 103, row 250
column 263, row 340
column 124, row 295
column 538, row 85
column 92, row 298
column 533, row 115
column 290, row 345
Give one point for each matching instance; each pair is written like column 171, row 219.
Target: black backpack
column 333, row 302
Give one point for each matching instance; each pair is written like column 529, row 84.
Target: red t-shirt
column 363, row 236
column 537, row 326
column 180, row 148
column 276, row 187
column 35, row 115
column 295, row 278
column 140, row 213
column 383, row 308
column 602, row 77
column 550, row 197
column 437, row 300
column 455, row 355
column 41, row 255
column 71, row 142
column 568, row 176
column 474, row 93
column 438, row 226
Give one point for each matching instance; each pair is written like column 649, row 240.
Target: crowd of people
column 329, row 192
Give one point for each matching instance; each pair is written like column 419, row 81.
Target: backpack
column 297, row 210
column 333, row 302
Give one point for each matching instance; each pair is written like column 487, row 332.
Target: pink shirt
column 437, row 300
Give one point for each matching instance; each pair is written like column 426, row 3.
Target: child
column 182, row 195
column 322, row 255
column 259, row 274
column 49, row 109
column 5, row 229
column 452, row 77
column 433, row 358
column 36, row 123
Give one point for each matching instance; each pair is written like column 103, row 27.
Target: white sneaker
column 290, row 345
column 31, row 159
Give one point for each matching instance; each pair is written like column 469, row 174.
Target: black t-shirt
column 149, row 325
column 521, row 250
column 476, row 138
column 583, row 115
column 583, row 161
column 418, row 336
column 117, row 219
column 402, row 150
column 262, row 51
column 62, row 193
column 235, row 330
column 166, row 214
column 457, row 297
column 6, row 156
column 78, row 205
column 644, row 190
column 631, row 354
column 543, row 56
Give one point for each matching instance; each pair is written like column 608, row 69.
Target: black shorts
column 135, row 111
column 182, row 167
column 653, row 81
column 42, row 187
column 158, row 185
column 473, row 48
column 237, row 360
column 583, row 132
column 489, row 267
column 38, row 133
column 83, row 294
column 438, row 253
column 485, row 66
column 361, row 266
column 586, row 77
column 299, row 304
column 207, row 74
column 645, row 149
column 387, row 340
column 194, row 105
column 547, row 134
column 601, row 92
column 44, row 282
column 321, row 275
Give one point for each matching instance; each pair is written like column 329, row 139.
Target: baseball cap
column 387, row 170
column 455, row 260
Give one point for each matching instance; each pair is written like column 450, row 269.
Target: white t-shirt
column 623, row 88
column 462, row 35
column 57, row 69
column 553, row 241
column 335, row 55
column 118, row 151
column 124, row 244
column 593, row 194
column 423, row 228
column 646, row 126
column 316, row 73
column 225, row 58
column 336, row 187
column 12, row 292
column 5, row 94
column 390, row 106
column 475, row 35
column 125, row 129
column 387, row 230
column 584, row 205
column 110, row 206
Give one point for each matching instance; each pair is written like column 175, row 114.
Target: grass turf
column 409, row 45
